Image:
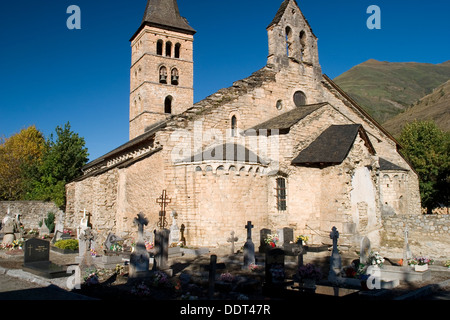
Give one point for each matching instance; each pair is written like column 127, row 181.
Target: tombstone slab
column 36, row 260
column 249, row 247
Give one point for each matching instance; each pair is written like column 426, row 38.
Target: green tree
column 20, row 155
column 427, row 148
column 61, row 163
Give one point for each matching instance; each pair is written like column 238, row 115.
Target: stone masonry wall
column 428, row 235
column 31, row 211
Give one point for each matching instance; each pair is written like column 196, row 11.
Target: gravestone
column 274, row 269
column 84, row 258
column 162, row 251
column 299, row 251
column 249, row 247
column 263, row 246
column 36, row 259
column 232, row 239
column 43, row 229
column 407, row 254
column 59, row 222
column 174, row 230
column 287, row 240
column 365, row 251
column 8, row 230
column 84, row 223
column 139, row 259
column 335, row 259
column 111, row 240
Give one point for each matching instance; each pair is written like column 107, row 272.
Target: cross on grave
column 335, row 259
column 249, row 247
column 212, row 268
column 163, row 200
column 249, row 228
column 140, row 221
column 232, row 239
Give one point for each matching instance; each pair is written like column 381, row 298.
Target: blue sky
column 50, row 75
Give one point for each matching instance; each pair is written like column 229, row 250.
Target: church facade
column 285, row 147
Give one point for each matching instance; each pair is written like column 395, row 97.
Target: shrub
column 69, row 244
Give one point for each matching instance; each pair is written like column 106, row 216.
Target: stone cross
column 335, row 259
column 406, row 250
column 85, row 247
column 163, row 200
column 232, row 239
column 249, row 247
column 140, row 221
column 249, row 228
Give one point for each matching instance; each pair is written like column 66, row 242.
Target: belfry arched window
column 163, row 75
column 177, row 50
column 168, row 105
column 169, row 49
column 302, row 45
column 159, row 47
column 174, row 77
column 289, row 43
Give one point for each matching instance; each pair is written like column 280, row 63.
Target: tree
column 61, row 163
column 19, row 156
column 427, row 148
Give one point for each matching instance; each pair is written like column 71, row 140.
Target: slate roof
column 164, row 14
column 285, row 121
column 332, row 146
column 226, row 152
column 386, row 165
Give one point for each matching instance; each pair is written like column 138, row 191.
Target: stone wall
column 428, row 235
column 31, row 211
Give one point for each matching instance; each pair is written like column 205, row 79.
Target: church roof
column 386, row 165
column 164, row 14
column 226, row 152
column 286, row 120
column 332, row 146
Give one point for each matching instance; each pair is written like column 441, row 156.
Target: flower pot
column 421, row 268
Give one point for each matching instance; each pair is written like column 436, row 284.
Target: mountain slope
column 435, row 106
column 385, row 89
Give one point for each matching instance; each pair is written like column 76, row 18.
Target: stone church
column 285, row 147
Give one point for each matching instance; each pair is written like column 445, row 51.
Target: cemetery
column 282, row 266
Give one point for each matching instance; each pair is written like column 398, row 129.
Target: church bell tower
column 162, row 66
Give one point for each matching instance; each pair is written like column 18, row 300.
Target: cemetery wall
column 428, row 234
column 31, row 211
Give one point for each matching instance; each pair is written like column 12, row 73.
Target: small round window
column 299, row 99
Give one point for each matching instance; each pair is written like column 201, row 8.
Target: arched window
column 288, row 41
column 302, row 45
column 299, row 99
column 163, row 75
column 159, row 47
column 281, row 194
column 169, row 49
column 168, row 105
column 177, row 50
column 174, row 77
column 234, row 126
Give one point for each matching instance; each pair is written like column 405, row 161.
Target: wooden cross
column 212, row 268
column 163, row 201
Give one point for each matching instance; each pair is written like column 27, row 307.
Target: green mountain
column 435, row 106
column 385, row 89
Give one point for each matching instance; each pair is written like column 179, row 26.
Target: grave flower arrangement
column 226, row 277
column 91, row 278
column 302, row 238
column 116, row 247
column 375, row 259
column 160, row 278
column 421, row 261
column 310, row 271
column 272, row 240
column 140, row 290
column 253, row 267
